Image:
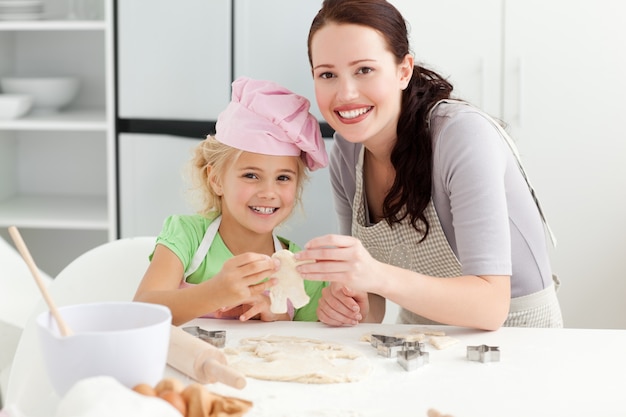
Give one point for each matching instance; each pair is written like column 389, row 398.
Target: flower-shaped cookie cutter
column 483, row 353
column 215, row 337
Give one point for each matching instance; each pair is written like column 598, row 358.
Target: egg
column 145, row 389
column 169, row 384
column 175, row 399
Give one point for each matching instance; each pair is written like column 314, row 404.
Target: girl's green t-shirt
column 182, row 234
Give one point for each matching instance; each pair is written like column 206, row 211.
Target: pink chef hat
column 263, row 117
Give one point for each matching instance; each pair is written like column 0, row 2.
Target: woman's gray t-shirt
column 483, row 202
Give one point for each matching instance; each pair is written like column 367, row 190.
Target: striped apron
column 400, row 247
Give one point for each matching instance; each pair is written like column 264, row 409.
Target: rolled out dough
column 296, row 359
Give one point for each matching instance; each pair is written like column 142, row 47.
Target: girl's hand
column 242, row 278
column 256, row 308
column 341, row 259
column 340, row 306
column 259, row 308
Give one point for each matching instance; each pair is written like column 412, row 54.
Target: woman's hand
column 340, row 306
column 341, row 259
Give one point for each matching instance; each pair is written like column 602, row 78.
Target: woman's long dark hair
column 411, row 156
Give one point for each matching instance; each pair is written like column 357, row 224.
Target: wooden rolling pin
column 200, row 360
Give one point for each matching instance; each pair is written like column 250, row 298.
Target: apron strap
column 207, row 241
column 518, row 159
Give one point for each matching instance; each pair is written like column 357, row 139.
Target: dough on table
column 414, row 334
column 442, row 342
column 427, row 331
column 297, row 359
column 290, row 284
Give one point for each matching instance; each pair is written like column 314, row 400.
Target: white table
column 542, row 372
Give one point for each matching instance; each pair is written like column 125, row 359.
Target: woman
column 441, row 217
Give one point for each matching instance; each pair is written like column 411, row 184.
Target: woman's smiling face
column 358, row 83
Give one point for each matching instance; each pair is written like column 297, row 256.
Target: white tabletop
column 542, row 372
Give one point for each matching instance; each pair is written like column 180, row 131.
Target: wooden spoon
column 21, row 247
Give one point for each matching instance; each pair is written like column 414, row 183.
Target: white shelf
column 92, row 120
column 55, row 212
column 40, row 25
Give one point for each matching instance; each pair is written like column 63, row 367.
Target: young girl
column 250, row 177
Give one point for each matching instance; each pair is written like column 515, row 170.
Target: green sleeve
column 309, row 311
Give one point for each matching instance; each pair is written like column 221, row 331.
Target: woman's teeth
column 351, row 114
column 264, row 210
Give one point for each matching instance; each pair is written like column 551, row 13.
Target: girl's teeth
column 264, row 210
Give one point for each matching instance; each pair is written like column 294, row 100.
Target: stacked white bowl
column 14, row 106
column 49, row 94
column 21, row 9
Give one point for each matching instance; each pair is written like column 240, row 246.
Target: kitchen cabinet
column 174, row 75
column 146, row 200
column 174, row 58
column 564, row 65
column 57, row 171
column 553, row 72
column 462, row 41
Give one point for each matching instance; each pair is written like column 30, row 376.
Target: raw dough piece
column 442, row 342
column 407, row 336
column 290, row 284
column 427, row 331
column 415, row 334
column 296, row 359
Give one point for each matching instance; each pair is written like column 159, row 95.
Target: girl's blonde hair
column 211, row 153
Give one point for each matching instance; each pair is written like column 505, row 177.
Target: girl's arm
column 239, row 280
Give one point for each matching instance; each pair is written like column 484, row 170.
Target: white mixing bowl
column 125, row 340
column 50, row 94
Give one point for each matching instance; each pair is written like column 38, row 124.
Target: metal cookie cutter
column 414, row 344
column 483, row 353
column 412, row 358
column 387, row 346
column 215, row 337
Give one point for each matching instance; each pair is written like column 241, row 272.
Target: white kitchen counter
column 542, row 372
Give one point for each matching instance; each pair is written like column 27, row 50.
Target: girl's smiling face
column 358, row 83
column 258, row 191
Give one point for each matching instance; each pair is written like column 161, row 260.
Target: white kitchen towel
column 104, row 396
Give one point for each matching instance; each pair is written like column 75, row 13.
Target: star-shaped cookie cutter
column 483, row 353
column 215, row 337
column 412, row 356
